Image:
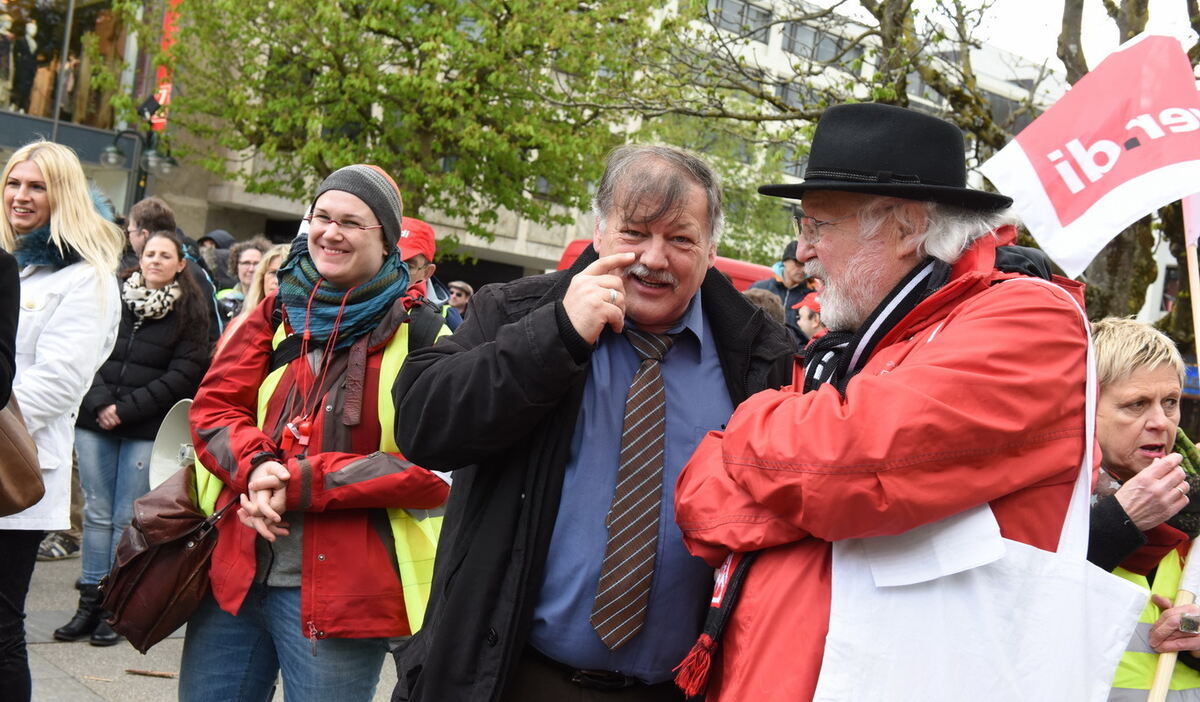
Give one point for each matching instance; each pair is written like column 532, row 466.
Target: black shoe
column 87, row 616
column 104, row 635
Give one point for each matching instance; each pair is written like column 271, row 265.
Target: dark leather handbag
column 160, row 573
column 20, row 473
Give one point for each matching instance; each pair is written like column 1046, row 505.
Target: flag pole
column 1188, row 583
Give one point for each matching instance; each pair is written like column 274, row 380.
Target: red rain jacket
column 976, row 396
column 349, row 584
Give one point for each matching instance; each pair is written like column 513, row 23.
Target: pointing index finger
column 607, row 264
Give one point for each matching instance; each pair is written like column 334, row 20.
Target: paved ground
column 80, row 672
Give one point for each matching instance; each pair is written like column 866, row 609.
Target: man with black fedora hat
column 951, row 381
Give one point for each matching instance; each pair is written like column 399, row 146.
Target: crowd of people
column 649, row 486
column 103, row 332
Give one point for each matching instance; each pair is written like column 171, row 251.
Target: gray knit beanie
column 376, row 188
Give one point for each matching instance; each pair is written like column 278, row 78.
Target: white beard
column 848, row 300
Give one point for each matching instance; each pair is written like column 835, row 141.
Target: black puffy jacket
column 150, row 369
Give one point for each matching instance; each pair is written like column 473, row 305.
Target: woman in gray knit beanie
column 294, row 421
column 373, row 186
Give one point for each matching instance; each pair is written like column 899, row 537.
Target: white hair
column 949, row 230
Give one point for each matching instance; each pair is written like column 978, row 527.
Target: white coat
column 67, row 327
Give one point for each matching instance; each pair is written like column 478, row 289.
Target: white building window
column 794, row 95
column 740, row 17
column 820, row 46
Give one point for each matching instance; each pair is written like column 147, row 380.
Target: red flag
column 162, row 79
column 1124, row 141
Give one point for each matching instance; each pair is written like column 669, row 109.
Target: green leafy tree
column 876, row 50
column 711, row 71
column 889, row 51
column 756, row 227
column 474, row 106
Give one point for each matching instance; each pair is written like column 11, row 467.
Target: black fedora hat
column 888, row 150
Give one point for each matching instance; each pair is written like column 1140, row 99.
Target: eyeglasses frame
column 798, row 218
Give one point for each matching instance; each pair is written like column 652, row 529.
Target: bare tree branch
column 1070, row 41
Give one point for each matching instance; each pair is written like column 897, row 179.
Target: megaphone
column 172, row 445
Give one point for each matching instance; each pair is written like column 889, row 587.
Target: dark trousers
column 539, row 680
column 18, row 553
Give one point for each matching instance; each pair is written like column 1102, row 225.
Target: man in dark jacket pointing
column 568, row 404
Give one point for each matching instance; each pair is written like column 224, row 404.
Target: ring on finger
column 612, row 297
column 1189, row 623
column 1181, row 490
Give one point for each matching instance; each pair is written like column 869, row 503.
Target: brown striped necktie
column 628, row 568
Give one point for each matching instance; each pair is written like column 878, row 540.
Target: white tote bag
column 953, row 611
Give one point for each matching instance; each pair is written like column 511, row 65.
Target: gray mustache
column 651, row 276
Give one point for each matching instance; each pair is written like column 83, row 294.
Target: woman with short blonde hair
column 1125, row 345
column 1143, row 517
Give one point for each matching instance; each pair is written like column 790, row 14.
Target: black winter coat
column 503, row 394
column 149, row 370
column 10, row 307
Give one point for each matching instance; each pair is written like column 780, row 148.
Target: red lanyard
column 309, row 384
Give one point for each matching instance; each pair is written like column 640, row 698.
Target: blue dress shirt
column 697, row 400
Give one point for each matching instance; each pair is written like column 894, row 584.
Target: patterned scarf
column 838, row 355
column 148, row 303
column 364, row 307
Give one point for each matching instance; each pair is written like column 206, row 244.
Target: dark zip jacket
column 150, row 369
column 497, row 403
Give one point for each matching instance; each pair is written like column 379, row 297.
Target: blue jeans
column 237, row 658
column 113, row 472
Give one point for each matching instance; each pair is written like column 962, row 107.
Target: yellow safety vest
column 415, row 531
column 1136, row 671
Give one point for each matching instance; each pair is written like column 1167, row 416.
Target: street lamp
column 147, row 158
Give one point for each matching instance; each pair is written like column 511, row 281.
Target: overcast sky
column 1030, row 27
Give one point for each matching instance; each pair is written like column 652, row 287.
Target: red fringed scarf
column 692, row 673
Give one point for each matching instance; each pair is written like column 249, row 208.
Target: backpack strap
column 424, row 324
column 288, row 349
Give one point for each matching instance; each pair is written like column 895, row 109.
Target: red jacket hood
column 973, row 272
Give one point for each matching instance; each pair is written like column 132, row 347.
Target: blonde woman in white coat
column 67, row 254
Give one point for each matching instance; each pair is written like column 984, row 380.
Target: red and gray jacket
column 343, row 482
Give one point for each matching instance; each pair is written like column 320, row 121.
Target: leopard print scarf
column 148, row 303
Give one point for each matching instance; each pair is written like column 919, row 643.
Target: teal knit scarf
column 364, row 307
